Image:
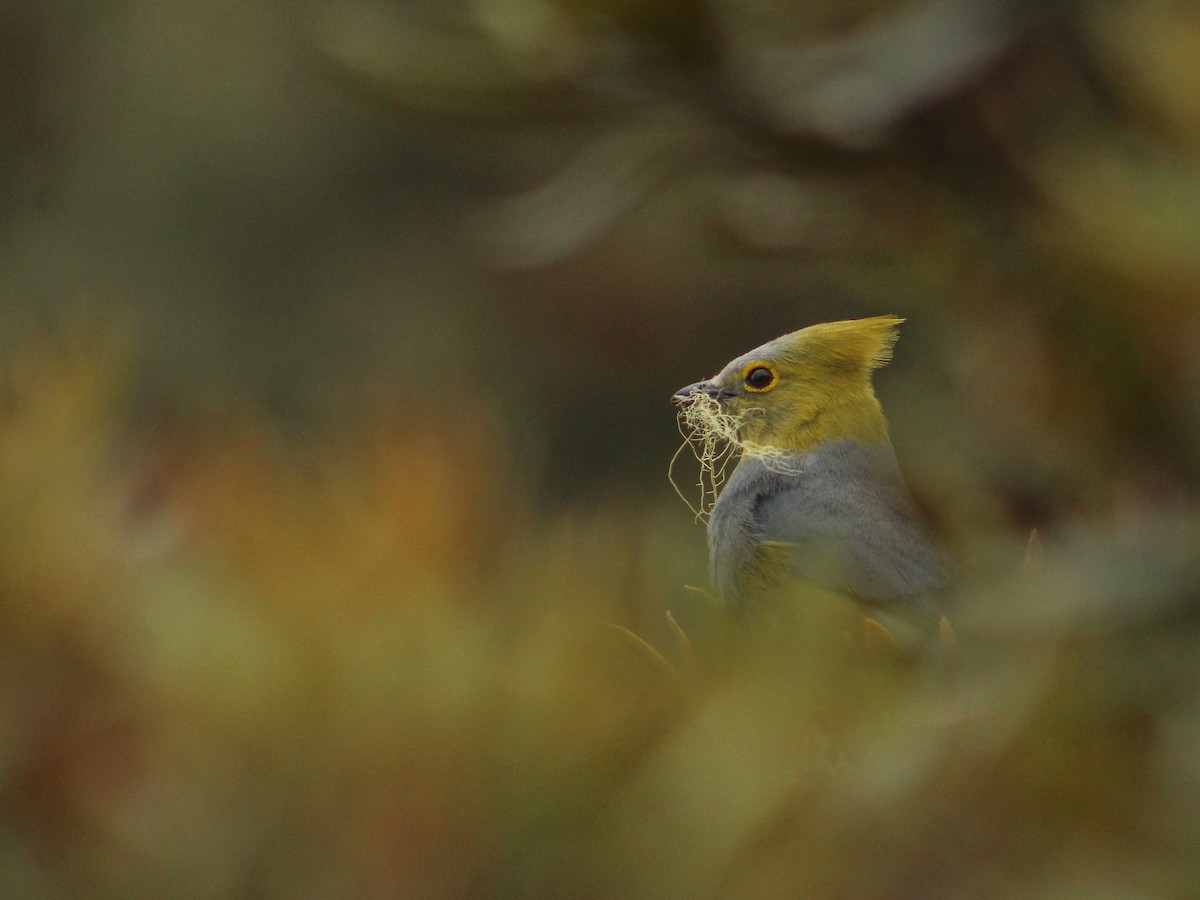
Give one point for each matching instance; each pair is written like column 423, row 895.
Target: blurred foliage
column 335, row 534
column 235, row 665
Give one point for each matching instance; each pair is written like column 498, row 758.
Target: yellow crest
column 862, row 344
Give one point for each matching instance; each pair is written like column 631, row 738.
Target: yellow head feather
column 821, row 389
column 856, row 344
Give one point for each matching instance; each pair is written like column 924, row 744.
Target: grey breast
column 846, row 515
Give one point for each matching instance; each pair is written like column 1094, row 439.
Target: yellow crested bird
column 817, row 494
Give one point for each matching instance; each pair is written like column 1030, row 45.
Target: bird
column 817, row 496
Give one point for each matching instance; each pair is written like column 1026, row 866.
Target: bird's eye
column 760, row 378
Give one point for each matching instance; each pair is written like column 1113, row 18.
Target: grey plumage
column 838, row 516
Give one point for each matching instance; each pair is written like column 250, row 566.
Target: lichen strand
column 713, row 434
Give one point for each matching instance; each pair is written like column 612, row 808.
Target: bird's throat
column 860, row 420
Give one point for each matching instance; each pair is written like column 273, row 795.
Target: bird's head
column 805, row 388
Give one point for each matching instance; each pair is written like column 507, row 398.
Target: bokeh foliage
column 335, row 535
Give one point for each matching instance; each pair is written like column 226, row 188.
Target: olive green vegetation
column 336, row 541
column 234, row 666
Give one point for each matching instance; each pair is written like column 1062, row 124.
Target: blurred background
column 337, row 343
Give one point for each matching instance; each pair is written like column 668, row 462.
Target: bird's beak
column 700, row 387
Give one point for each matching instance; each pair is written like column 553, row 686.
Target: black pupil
column 759, row 378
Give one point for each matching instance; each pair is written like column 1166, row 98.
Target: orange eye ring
column 759, row 377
